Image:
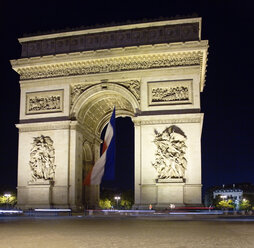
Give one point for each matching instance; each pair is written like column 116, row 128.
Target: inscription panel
column 44, row 102
column 170, row 92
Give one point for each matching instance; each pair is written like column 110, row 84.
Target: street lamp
column 117, row 198
column 7, row 199
column 224, row 197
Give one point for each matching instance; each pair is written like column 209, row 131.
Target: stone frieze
column 170, row 92
column 110, row 39
column 117, row 64
column 44, row 102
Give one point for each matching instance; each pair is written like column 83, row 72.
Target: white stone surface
column 188, row 192
column 87, row 103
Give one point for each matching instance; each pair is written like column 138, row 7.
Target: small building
column 225, row 194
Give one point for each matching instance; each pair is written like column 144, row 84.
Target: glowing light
column 117, row 198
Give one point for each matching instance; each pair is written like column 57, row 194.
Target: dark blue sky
column 227, row 100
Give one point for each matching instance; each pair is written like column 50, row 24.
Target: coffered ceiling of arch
column 96, row 113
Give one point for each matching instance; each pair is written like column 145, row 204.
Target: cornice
column 56, row 125
column 118, row 36
column 115, row 60
column 112, row 28
column 177, row 47
column 188, row 118
column 45, row 126
column 171, row 121
column 106, row 65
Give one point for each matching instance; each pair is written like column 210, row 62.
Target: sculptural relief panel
column 170, row 161
column 44, row 102
column 170, row 92
column 132, row 85
column 42, row 159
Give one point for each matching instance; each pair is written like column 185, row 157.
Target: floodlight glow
column 10, row 211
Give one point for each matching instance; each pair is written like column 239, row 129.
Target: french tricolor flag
column 106, row 163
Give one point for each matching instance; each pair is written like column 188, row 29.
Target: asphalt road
column 159, row 232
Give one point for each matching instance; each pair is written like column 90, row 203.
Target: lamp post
column 224, row 197
column 117, row 198
column 7, row 199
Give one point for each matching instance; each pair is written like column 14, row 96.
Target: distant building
column 226, row 194
column 236, row 192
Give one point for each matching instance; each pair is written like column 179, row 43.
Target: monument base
column 36, row 195
column 162, row 195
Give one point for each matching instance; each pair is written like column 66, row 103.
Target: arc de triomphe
column 70, row 82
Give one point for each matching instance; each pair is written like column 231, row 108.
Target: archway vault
column 94, row 107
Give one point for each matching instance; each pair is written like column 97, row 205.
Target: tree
column 8, row 201
column 126, row 204
column 126, row 201
column 245, row 205
column 105, row 203
column 225, row 204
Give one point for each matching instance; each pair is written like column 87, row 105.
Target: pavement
column 79, row 231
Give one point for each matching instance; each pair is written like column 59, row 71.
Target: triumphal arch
column 70, row 82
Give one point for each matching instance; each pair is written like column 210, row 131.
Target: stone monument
column 70, row 81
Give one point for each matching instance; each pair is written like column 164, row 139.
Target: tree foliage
column 245, row 205
column 10, row 201
column 126, row 201
column 105, row 203
column 126, row 204
column 225, row 204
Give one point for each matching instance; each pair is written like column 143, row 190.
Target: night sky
column 227, row 100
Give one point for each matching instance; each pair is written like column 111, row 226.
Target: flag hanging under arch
column 105, row 165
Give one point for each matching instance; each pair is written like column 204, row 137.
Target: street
column 84, row 231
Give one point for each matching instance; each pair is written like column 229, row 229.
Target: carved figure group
column 170, row 94
column 77, row 90
column 44, row 103
column 42, row 158
column 170, row 159
column 111, row 65
column 132, row 85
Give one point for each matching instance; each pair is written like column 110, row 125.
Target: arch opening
column 93, row 113
column 94, row 107
column 124, row 174
column 123, row 184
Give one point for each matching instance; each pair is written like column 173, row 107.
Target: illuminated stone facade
column 70, row 82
